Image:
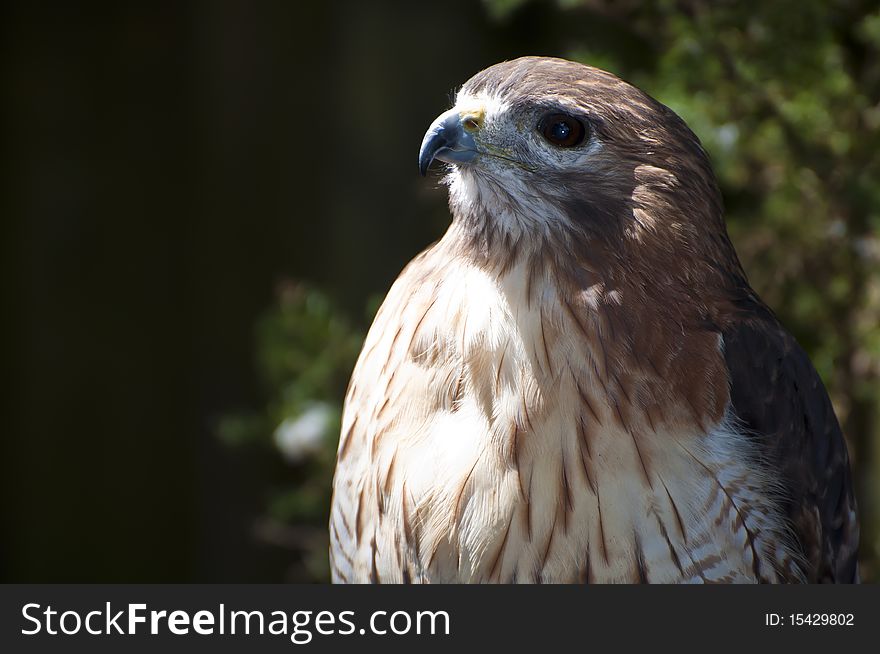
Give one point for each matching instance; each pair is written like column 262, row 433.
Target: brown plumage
column 577, row 384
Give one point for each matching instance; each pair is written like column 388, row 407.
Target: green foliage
column 306, row 350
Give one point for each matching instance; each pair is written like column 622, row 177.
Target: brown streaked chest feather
column 520, row 431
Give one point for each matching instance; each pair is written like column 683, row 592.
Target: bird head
column 547, row 146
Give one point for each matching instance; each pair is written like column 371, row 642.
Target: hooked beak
column 448, row 140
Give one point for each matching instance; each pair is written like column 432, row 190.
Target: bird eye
column 562, row 130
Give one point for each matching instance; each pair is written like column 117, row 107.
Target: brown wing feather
column 779, row 396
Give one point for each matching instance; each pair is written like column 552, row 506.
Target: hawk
column 577, row 383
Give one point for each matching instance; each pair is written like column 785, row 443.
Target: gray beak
column 447, row 140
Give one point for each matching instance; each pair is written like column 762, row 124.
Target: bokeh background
column 203, row 203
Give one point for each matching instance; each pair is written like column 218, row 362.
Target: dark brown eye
column 562, row 130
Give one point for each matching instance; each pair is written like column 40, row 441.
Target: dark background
column 168, row 170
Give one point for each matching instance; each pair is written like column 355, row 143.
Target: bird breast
column 508, row 438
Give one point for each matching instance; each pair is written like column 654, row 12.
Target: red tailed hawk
column 576, row 383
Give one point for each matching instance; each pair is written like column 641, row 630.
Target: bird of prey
column 577, row 383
